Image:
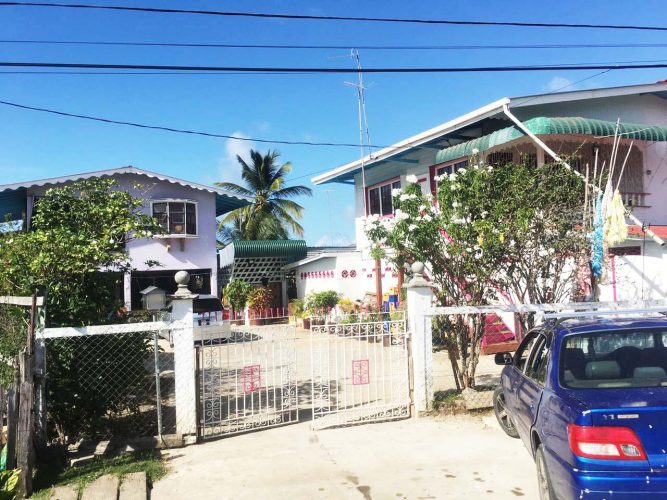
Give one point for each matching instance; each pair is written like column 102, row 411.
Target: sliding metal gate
column 359, row 372
column 247, row 378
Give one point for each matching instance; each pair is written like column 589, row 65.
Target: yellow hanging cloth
column 616, row 230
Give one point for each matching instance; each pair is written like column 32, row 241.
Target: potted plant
column 322, row 302
column 236, row 293
column 296, row 309
column 259, row 301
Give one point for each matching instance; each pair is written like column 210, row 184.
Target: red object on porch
column 497, row 337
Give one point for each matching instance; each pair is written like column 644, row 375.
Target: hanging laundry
column 597, row 237
column 616, row 230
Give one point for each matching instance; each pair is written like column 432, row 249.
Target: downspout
column 596, row 189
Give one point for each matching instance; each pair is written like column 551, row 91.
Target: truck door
column 530, row 387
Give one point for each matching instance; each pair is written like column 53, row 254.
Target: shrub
column 347, row 305
column 260, row 298
column 322, row 300
column 237, row 293
column 297, row 308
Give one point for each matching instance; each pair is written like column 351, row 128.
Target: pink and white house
column 505, row 131
column 186, row 210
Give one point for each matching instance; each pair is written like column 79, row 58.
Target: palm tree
column 273, row 214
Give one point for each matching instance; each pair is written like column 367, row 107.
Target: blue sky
column 290, row 107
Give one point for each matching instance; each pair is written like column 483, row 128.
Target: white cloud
column 229, row 168
column 334, row 241
column 557, row 83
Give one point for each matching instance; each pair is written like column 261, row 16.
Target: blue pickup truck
column 588, row 397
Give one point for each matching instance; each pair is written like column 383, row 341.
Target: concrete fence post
column 184, row 357
column 420, row 298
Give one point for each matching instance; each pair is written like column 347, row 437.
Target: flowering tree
column 495, row 233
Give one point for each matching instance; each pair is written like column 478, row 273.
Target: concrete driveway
column 428, row 458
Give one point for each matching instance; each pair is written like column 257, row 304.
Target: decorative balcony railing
column 634, row 199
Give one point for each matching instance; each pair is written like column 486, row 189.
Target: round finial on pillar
column 182, row 278
column 418, row 268
column 417, row 280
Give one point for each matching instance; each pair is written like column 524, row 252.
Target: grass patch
column 448, row 400
column 53, row 474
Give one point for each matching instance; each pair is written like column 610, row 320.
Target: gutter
column 595, row 189
column 386, row 153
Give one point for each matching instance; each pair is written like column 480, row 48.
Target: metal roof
column 12, row 196
column 551, row 126
column 432, row 137
column 291, row 250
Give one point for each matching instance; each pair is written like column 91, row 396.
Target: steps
column 497, row 337
column 134, row 486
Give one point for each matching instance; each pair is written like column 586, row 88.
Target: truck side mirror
column 503, row 358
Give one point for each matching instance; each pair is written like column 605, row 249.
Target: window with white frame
column 380, row 198
column 451, row 168
column 176, row 217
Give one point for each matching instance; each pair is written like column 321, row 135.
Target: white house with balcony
column 186, row 211
column 511, row 129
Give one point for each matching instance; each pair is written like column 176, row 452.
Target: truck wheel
column 543, row 479
column 503, row 417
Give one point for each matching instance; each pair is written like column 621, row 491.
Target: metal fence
column 360, row 371
column 114, row 382
column 247, row 378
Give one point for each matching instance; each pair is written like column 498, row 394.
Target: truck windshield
column 614, row 359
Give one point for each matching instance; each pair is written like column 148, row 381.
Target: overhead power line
column 178, row 130
column 235, row 137
column 476, row 69
column 339, row 47
column 265, row 15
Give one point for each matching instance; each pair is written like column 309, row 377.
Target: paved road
column 453, row 458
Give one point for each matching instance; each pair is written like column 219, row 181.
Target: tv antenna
column 363, row 120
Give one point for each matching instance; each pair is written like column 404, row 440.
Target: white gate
column 359, row 372
column 247, row 378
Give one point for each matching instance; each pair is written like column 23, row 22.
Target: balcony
column 634, row 200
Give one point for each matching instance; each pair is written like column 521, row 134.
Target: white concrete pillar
column 184, row 357
column 420, row 298
column 127, row 290
column 246, row 316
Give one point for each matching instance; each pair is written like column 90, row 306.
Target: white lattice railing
column 634, row 199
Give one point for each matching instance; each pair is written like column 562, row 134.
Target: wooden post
column 12, row 420
column 378, row 284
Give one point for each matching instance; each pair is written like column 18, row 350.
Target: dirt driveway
column 451, row 457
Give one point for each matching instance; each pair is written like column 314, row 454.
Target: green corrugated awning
column 552, row 126
column 292, row 249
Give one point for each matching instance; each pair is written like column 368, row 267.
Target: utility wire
column 161, row 10
column 178, row 130
column 247, row 139
column 477, row 69
column 338, row 47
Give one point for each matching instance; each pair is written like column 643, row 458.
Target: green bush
column 322, row 300
column 9, row 482
column 97, row 385
column 237, row 293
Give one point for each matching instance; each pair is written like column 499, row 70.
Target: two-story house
column 518, row 129
column 186, row 211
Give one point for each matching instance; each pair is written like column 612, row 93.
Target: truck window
column 614, row 359
column 537, row 364
column 524, row 350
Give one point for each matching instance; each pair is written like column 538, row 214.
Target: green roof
column 292, row 249
column 551, row 126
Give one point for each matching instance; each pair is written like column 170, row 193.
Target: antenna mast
column 363, row 121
